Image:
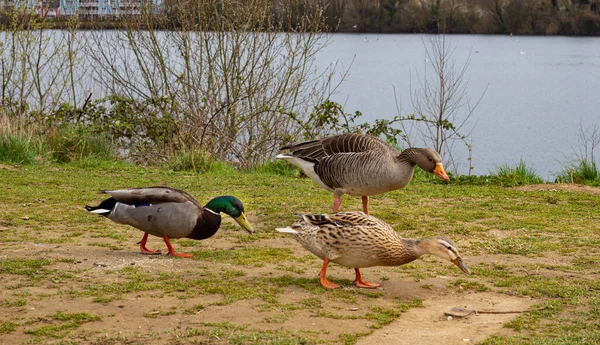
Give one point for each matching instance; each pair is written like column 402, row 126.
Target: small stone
column 100, row 264
column 449, row 318
column 25, row 218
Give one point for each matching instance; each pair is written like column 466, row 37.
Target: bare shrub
column 37, row 67
column 229, row 81
column 442, row 106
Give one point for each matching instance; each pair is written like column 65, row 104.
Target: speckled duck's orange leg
column 365, row 200
column 143, row 248
column 363, row 284
column 326, row 283
column 172, row 251
column 337, row 202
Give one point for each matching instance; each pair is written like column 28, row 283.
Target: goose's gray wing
column 317, row 150
column 152, row 195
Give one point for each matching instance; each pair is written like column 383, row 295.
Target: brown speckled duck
column 169, row 213
column 358, row 164
column 357, row 240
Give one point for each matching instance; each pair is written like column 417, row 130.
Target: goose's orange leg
column 365, row 200
column 172, row 251
column 143, row 248
column 326, row 283
column 363, row 284
column 337, row 202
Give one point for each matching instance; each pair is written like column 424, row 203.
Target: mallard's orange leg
column 326, row 283
column 365, row 200
column 363, row 284
column 172, row 251
column 143, row 248
column 337, row 202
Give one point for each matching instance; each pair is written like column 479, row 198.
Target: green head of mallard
column 231, row 206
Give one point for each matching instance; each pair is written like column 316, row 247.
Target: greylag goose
column 169, row 213
column 357, row 240
column 358, row 164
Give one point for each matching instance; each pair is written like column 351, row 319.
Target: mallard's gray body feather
column 169, row 213
column 162, row 211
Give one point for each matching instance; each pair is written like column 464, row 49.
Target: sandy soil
column 152, row 317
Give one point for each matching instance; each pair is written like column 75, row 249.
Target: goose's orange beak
column 440, row 172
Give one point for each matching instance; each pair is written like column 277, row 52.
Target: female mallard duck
column 358, row 164
column 169, row 213
column 357, row 240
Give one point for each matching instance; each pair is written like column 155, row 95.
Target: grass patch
column 20, row 148
column 244, row 256
column 277, row 167
column 80, row 144
column 200, row 162
column 518, row 175
column 7, row 327
column 583, row 172
column 29, row 267
column 62, row 324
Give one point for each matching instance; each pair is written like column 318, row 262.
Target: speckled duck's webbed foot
column 324, row 282
column 327, row 284
column 143, row 248
column 363, row 284
column 172, row 251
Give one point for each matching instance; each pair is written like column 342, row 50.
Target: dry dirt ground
column 154, row 317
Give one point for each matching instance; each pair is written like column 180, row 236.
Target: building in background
column 89, row 9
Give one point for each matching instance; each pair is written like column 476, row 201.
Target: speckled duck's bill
column 460, row 264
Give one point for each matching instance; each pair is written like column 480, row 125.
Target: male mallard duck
column 357, row 240
column 169, row 213
column 358, row 164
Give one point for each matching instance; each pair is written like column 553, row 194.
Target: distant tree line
column 523, row 17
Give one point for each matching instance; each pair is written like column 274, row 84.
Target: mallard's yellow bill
column 243, row 222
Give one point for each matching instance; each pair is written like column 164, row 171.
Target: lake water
column 539, row 90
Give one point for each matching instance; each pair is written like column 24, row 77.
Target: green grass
column 19, row 148
column 7, row 327
column 520, row 174
column 80, row 144
column 198, row 161
column 584, row 172
column 240, row 288
column 20, row 266
column 61, row 324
